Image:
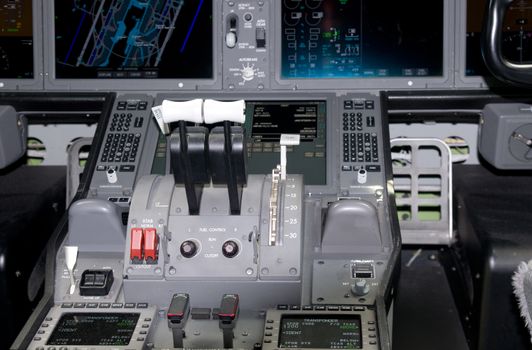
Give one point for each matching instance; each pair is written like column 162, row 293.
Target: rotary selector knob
column 230, row 249
column 248, row 73
column 188, row 249
column 360, row 288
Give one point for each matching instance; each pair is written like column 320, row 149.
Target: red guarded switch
column 137, row 245
column 151, row 242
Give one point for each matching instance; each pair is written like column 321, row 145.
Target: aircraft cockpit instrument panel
column 133, row 39
column 20, row 47
column 16, row 40
column 238, row 189
column 354, row 39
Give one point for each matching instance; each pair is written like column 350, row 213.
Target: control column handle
column 492, row 47
column 177, row 316
column 227, row 318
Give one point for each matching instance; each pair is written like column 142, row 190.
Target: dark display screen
column 267, row 120
column 321, row 332
column 103, row 329
column 362, row 38
column 270, row 120
column 130, row 39
column 516, row 36
column 16, row 39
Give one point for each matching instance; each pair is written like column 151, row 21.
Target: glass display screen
column 321, row 332
column 516, row 36
column 16, row 39
column 103, row 329
column 267, row 120
column 130, row 39
column 270, row 120
column 362, row 38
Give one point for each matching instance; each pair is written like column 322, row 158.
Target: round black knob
column 188, row 249
column 230, row 249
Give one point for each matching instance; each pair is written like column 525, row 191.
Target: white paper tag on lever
column 290, row 139
column 287, row 140
column 158, row 114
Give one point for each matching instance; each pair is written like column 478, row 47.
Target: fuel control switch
column 230, row 249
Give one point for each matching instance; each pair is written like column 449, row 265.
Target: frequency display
column 362, row 39
column 321, row 332
column 516, row 35
column 131, row 39
column 16, row 39
column 99, row 329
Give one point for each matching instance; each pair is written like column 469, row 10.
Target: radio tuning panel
column 246, row 45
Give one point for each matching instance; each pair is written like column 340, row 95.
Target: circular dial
column 520, row 143
column 292, row 4
column 188, row 249
column 313, row 4
column 248, row 73
column 230, row 249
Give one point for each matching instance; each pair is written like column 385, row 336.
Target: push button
column 95, row 283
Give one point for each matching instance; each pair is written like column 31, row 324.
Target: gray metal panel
column 95, row 225
column 247, row 67
column 53, row 83
column 149, row 209
column 92, row 261
column 254, row 295
column 505, row 130
column 415, row 230
column 333, row 281
column 446, row 81
column 148, row 132
column 283, row 260
column 206, row 334
column 350, row 225
column 13, row 134
column 37, row 82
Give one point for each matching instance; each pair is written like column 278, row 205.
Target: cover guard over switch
column 137, row 246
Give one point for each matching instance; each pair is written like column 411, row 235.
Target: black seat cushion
column 32, row 200
column 493, row 213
